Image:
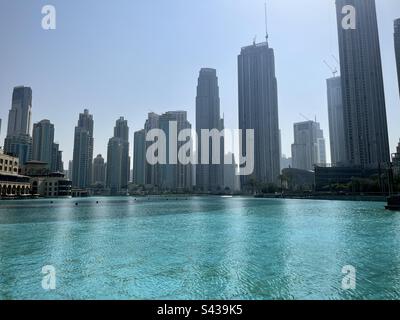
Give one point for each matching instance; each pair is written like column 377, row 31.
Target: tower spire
column 266, row 22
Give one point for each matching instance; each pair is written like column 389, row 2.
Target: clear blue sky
column 128, row 57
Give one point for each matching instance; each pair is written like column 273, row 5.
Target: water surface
column 198, row 248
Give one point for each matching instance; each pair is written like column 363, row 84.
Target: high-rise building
column 121, row 131
column 18, row 141
column 139, row 158
column 83, row 151
column 258, row 110
column 118, row 161
column 169, row 176
column 231, row 179
column 308, row 148
column 152, row 171
column 19, row 146
column 70, row 170
column 99, row 170
column 209, row 177
column 57, row 164
column 19, row 117
column 174, row 176
column 364, row 109
column 114, row 165
column 42, row 142
column 336, row 126
column 397, row 46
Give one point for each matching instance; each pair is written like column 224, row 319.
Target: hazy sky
column 129, row 57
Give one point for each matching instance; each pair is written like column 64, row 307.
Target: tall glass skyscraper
column 258, row 110
column 43, row 140
column 365, row 120
column 175, row 176
column 336, row 127
column 118, row 161
column 18, row 141
column 308, row 149
column 397, row 46
column 20, row 115
column 139, row 158
column 99, row 170
column 208, row 177
column 83, row 151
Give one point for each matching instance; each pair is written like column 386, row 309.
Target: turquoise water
column 199, row 248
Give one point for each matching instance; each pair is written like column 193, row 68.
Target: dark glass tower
column 208, row 177
column 258, row 110
column 18, row 141
column 118, row 160
column 336, row 128
column 397, row 46
column 83, row 151
column 365, row 121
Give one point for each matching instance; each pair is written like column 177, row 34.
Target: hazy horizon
column 131, row 58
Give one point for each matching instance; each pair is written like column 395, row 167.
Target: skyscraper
column 57, row 164
column 18, row 141
column 169, row 176
column 365, row 122
column 70, row 170
column 336, row 126
column 152, row 172
column 308, row 148
column 174, row 176
column 83, row 151
column 139, row 158
column 99, row 170
column 43, row 140
column 114, row 166
column 208, row 177
column 118, row 161
column 258, row 109
column 19, row 117
column 397, row 46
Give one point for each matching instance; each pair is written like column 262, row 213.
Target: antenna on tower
column 266, row 22
column 333, row 70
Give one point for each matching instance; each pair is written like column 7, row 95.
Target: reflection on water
column 198, row 248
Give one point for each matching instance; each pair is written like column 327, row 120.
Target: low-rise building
column 46, row 183
column 12, row 184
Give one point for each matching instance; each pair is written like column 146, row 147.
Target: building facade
column 364, row 109
column 397, row 46
column 139, row 158
column 18, row 141
column 46, row 183
column 99, row 171
column 162, row 177
column 209, row 177
column 176, row 177
column 258, row 110
column 336, row 125
column 118, row 161
column 308, row 148
column 12, row 184
column 83, row 152
column 42, row 142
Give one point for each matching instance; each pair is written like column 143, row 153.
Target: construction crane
column 333, row 70
column 303, row 116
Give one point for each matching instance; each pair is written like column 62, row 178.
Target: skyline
column 128, row 91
